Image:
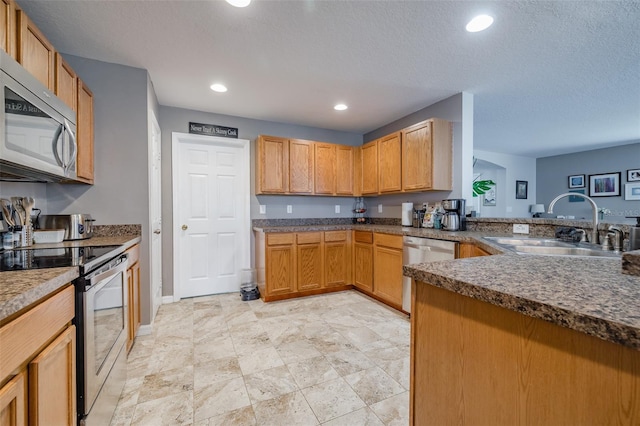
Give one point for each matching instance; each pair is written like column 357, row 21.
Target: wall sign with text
column 213, row 130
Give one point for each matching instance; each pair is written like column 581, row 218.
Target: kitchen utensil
column 451, row 221
column 7, row 211
column 27, row 204
column 48, row 236
column 19, row 211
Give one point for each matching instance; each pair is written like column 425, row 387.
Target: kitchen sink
column 549, row 247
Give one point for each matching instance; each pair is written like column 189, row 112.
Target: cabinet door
column 7, row 27
column 52, row 382
column 84, row 134
column 280, row 269
column 325, row 175
column 470, row 250
column 272, row 168
column 66, row 83
column 370, row 168
column 301, row 167
column 417, row 157
column 337, row 256
column 389, row 163
column 309, row 257
column 35, row 52
column 13, row 402
column 344, row 170
column 363, row 266
column 387, row 271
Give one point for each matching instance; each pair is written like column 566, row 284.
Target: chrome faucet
column 618, row 237
column 594, row 206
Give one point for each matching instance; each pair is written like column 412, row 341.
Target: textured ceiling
column 549, row 77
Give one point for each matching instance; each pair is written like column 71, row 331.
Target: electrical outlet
column 520, row 228
column 337, row 208
column 263, row 209
column 289, row 208
column 379, row 208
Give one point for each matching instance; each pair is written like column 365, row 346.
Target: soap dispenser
column 634, row 234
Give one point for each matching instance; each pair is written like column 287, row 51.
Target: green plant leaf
column 482, row 186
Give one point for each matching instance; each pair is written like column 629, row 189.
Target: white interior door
column 211, row 214
column 155, row 201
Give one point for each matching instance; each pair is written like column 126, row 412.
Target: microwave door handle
column 56, row 140
column 72, row 144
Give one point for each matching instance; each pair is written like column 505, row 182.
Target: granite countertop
column 21, row 289
column 591, row 295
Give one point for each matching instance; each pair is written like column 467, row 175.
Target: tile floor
column 336, row 359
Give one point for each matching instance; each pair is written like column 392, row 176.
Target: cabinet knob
column 185, row 227
column 157, row 231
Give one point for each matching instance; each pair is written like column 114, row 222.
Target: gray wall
column 553, row 172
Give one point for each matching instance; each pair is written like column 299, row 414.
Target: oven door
column 105, row 319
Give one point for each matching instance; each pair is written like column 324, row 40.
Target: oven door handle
column 103, row 276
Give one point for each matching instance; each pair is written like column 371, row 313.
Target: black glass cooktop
column 86, row 258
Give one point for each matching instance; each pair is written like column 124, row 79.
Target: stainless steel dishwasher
column 421, row 250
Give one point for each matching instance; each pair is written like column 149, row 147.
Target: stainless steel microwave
column 37, row 129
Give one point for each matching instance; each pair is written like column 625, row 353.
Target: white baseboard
column 145, row 330
column 167, row 299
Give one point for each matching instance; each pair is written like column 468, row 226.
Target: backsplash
column 116, row 230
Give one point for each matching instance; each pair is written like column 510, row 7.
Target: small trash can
column 248, row 285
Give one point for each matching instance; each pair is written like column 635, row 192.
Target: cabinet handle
column 185, row 227
column 157, row 231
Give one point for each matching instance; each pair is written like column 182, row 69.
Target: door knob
column 157, row 231
column 184, row 227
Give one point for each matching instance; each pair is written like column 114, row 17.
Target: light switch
column 337, row 208
column 263, row 209
column 289, row 208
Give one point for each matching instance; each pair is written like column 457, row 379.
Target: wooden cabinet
column 272, row 167
column 389, row 163
column 301, row 167
column 66, row 83
column 369, row 168
column 387, row 268
column 309, row 260
column 280, row 265
column 427, row 156
column 38, row 364
column 8, row 27
column 13, row 401
column 35, row 52
column 325, row 175
column 84, row 134
column 363, row 260
column 470, row 250
column 345, row 170
column 337, row 258
column 133, row 290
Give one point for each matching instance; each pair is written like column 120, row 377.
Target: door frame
column 155, row 259
column 177, row 139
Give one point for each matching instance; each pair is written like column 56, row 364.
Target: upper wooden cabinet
column 427, row 156
column 7, row 27
column 272, row 167
column 84, row 133
column 35, row 52
column 370, row 168
column 66, row 83
column 389, row 163
column 325, row 176
column 345, row 173
column 301, row 167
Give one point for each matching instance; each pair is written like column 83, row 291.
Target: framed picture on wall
column 632, row 191
column 604, row 185
column 576, row 181
column 489, row 197
column 521, row 189
column 633, row 175
column 573, row 198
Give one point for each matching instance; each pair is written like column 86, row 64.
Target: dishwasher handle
column 429, row 248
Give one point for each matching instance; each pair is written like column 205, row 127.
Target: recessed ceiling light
column 340, row 107
column 239, row 3
column 479, row 23
column 221, row 88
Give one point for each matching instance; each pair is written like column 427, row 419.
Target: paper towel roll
column 407, row 214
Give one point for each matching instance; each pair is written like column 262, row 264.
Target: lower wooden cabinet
column 387, row 269
column 470, row 250
column 337, row 258
column 38, row 364
column 309, row 260
column 133, row 289
column 363, row 260
column 280, row 265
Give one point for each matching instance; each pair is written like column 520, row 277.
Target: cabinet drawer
column 363, row 237
column 386, row 240
column 134, row 254
column 23, row 337
column 279, row 239
column 308, row 237
column 330, row 236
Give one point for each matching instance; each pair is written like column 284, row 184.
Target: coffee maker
column 455, row 216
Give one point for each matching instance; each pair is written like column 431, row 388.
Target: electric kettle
column 451, row 221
